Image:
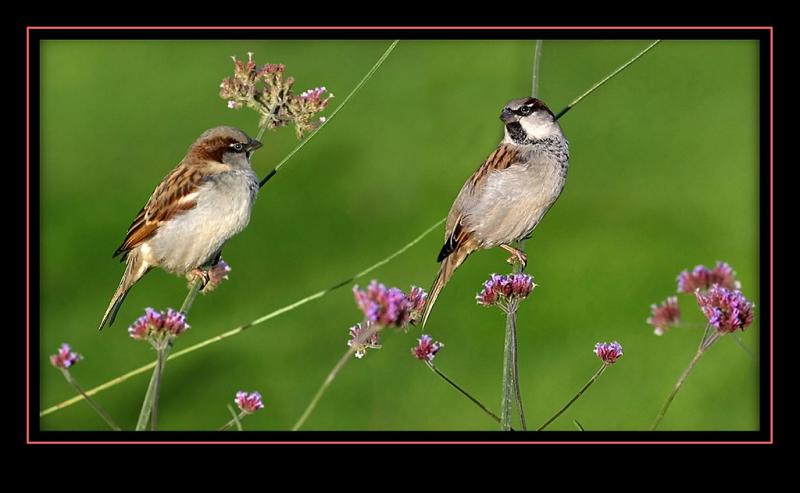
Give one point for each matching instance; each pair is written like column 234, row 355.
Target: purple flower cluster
column 725, row 309
column 65, row 357
column 701, row 277
column 608, row 352
column 505, row 290
column 665, row 315
column 426, row 349
column 158, row 324
column 248, row 403
column 389, row 306
column 363, row 337
column 313, row 94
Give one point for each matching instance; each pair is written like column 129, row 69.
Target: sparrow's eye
column 525, row 110
column 238, row 147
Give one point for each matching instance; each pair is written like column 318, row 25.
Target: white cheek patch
column 537, row 129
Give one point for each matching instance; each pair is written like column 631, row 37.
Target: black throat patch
column 516, row 132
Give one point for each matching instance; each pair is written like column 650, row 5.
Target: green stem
column 99, row 410
column 676, row 388
column 464, row 392
column 151, row 395
column 237, row 420
column 606, row 79
column 158, row 373
column 580, row 392
column 332, row 375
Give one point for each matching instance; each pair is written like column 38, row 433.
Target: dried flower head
column 608, row 352
column 157, row 327
column 426, row 349
column 665, row 315
column 725, row 310
column 384, row 306
column 267, row 91
column 216, row 274
column 703, row 278
column 248, row 403
column 65, row 357
column 505, row 291
column 362, row 337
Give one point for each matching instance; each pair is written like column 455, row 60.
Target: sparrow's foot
column 516, row 256
column 203, row 275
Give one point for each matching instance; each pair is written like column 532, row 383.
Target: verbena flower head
column 665, row 315
column 426, row 349
column 267, row 91
column 363, row 337
column 701, row 277
column 726, row 310
column 217, row 274
column 505, row 291
column 157, row 326
column 384, row 306
column 65, row 357
column 608, row 352
column 248, row 403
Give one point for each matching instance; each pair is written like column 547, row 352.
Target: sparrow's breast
column 193, row 238
column 514, row 200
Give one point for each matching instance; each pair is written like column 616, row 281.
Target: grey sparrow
column 509, row 194
column 192, row 213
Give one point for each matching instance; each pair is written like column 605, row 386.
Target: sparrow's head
column 226, row 145
column 527, row 120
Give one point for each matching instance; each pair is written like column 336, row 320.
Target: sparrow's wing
column 176, row 194
column 455, row 233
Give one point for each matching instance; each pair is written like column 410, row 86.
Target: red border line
column 337, row 28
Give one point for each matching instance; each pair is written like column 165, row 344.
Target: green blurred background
column 663, row 176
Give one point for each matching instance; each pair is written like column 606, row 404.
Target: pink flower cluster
column 248, row 403
column 701, row 277
column 608, row 352
column 505, row 290
column 426, row 349
column 158, row 324
column 389, row 306
column 363, row 337
column 65, row 357
column 665, row 315
column 726, row 310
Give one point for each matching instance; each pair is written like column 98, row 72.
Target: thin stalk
column 575, row 398
column 237, row 420
column 606, row 79
column 159, row 374
column 332, row 375
column 537, row 57
column 509, row 385
column 364, row 79
column 464, row 392
column 238, row 330
column 151, row 395
column 677, row 387
column 99, row 410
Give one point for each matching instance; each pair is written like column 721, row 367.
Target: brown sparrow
column 195, row 209
column 507, row 196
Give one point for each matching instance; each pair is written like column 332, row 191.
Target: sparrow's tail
column 449, row 266
column 134, row 270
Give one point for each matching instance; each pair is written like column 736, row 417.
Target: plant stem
column 464, row 392
column 580, row 392
column 676, row 388
column 537, row 57
column 99, row 410
column 332, row 375
column 235, row 421
column 151, row 395
column 333, row 114
column 606, row 79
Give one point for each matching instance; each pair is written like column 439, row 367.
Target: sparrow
column 509, row 194
column 192, row 213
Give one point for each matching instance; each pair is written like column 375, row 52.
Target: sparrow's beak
column 253, row 145
column 507, row 116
